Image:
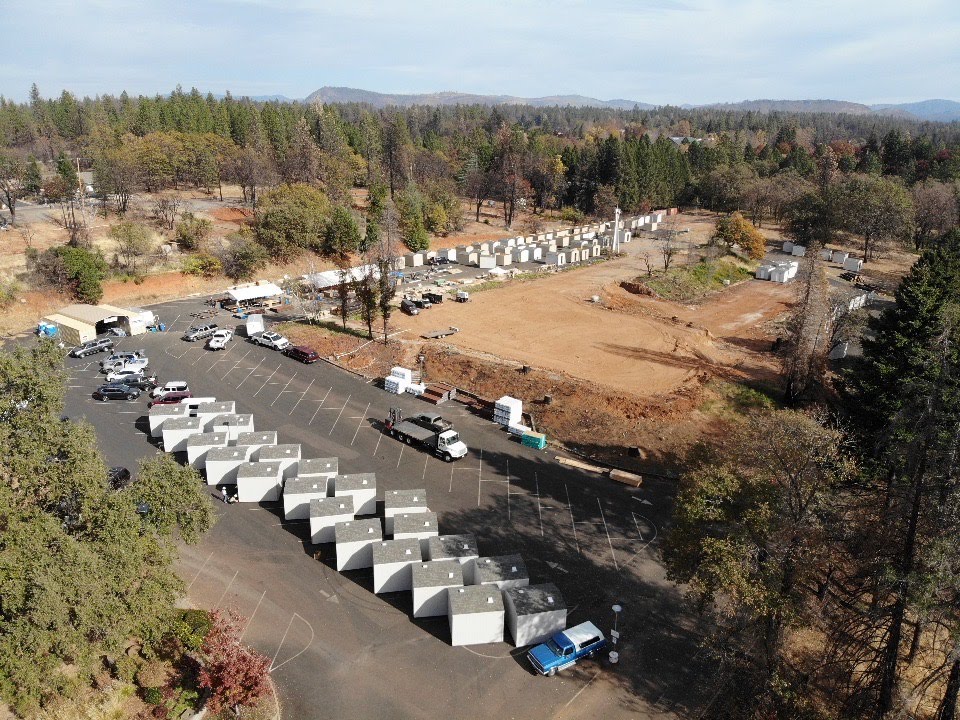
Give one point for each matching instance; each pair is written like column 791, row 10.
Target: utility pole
column 616, row 231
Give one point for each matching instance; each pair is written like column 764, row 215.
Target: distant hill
column 938, row 110
column 795, row 106
column 335, row 95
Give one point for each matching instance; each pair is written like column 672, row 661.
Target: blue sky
column 658, row 51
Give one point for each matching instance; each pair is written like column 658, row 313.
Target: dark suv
column 115, row 391
column 301, row 353
column 92, row 347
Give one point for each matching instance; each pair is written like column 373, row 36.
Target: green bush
column 202, row 264
column 125, row 668
column 243, row 257
column 8, row 293
column 571, row 215
column 153, row 696
column 192, row 231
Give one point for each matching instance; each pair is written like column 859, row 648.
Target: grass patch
column 329, row 325
column 693, row 282
column 729, row 399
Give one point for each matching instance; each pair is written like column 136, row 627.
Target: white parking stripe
column 302, row 396
column 359, row 424
column 284, row 389
column 339, row 414
column 250, row 373
column 320, row 406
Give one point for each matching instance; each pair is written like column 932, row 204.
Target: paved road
column 339, row 650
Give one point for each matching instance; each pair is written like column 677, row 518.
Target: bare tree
column 805, row 352
column 385, row 253
column 166, row 211
column 28, row 234
column 935, row 207
column 12, row 173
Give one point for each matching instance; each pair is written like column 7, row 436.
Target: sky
column 656, row 51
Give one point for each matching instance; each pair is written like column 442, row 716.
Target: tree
column 804, row 355
column 172, row 496
column 734, row 229
column 936, row 210
column 77, row 269
column 67, row 170
column 396, row 151
column 366, row 289
column 192, row 231
column 251, row 169
column 133, row 242
column 116, row 172
column 166, row 211
column 12, row 181
column 291, row 219
column 878, row 210
column 241, row 256
column 385, row 253
column 341, row 237
column 236, row 676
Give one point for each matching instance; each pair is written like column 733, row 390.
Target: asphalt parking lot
column 339, row 650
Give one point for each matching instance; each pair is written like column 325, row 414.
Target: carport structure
column 79, row 323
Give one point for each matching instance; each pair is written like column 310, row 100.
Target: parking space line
column 479, row 477
column 451, row 479
column 200, row 571
column 378, row 445
column 284, row 389
column 221, row 358
column 609, row 541
column 536, row 483
column 302, row 395
column 320, row 405
column 266, row 381
column 339, row 414
column 224, row 593
column 305, row 647
column 237, row 364
column 359, row 424
column 280, row 646
column 402, row 446
column 423, row 477
column 574, row 524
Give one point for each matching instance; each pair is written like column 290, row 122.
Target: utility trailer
column 429, row 430
column 437, row 334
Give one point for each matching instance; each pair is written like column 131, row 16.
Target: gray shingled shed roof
column 260, row 437
column 415, row 523
column 475, row 599
column 228, row 453
column 396, row 551
column 358, row 531
column 280, row 452
column 211, row 438
column 393, row 499
column 319, row 466
column 355, row 481
column 303, row 486
column 233, row 419
column 499, row 567
column 329, row 507
column 259, row 470
column 182, row 423
column 444, row 547
column 169, row 410
column 219, row 408
column 437, row 573
column 534, row 599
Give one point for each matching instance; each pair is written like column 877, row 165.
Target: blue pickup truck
column 565, row 648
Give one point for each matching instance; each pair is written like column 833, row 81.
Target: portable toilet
column 354, row 540
column 534, row 613
column 419, row 525
column 402, row 501
column 476, row 615
column 199, row 445
column 258, row 482
column 430, row 581
column 297, row 494
column 221, row 463
column 234, row 425
column 287, row 455
column 391, row 564
column 504, row 571
column 462, row 548
column 160, row 413
column 363, row 488
column 258, row 439
column 177, row 430
column 325, row 513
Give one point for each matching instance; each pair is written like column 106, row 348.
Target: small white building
column 504, row 571
column 430, row 581
column 325, row 469
column 199, row 445
column 258, row 482
column 534, row 613
column 391, row 564
column 288, row 455
column 487, row 262
column 325, row 513
column 297, row 494
column 362, row 487
column 177, row 430
column 208, row 412
column 522, row 255
column 221, row 464
column 419, row 525
column 402, row 501
column 853, row 264
column 233, row 424
column 258, row 439
column 160, row 413
column 354, row 540
column 476, row 615
column 462, row 548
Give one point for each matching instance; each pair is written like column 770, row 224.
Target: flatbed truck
column 429, row 430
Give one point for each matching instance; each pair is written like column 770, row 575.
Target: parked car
column 301, row 353
column 145, row 382
column 564, row 649
column 171, row 398
column 409, row 307
column 439, row 260
column 169, row 387
column 272, row 340
column 118, row 359
column 124, row 374
column 115, row 391
column 219, row 340
column 139, row 364
column 199, row 332
column 92, row 347
column 422, row 303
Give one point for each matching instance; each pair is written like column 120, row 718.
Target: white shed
column 853, row 264
column 325, row 514
column 402, row 501
column 419, row 525
column 534, row 613
column 523, row 255
column 208, row 412
column 287, row 455
column 363, row 488
column 462, row 548
column 297, row 494
column 258, row 439
column 258, row 482
column 476, row 615
column 222, row 463
column 430, row 581
column 504, row 571
column 177, row 430
column 536, row 253
column 320, row 468
column 234, row 425
column 199, row 445
column 505, row 258
column 354, row 540
column 391, row 564
column 487, row 262
column 160, row 413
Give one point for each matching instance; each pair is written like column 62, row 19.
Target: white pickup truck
column 219, row 340
column 271, row 340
